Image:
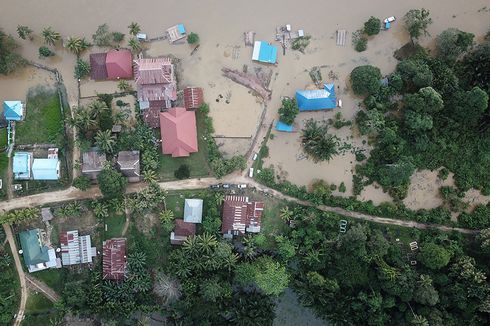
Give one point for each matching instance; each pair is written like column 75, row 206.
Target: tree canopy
column 112, row 184
column 288, row 111
column 452, row 42
column 10, row 60
column 365, row 80
column 417, row 21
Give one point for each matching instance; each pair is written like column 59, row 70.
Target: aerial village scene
column 244, row 163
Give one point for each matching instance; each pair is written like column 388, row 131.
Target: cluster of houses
column 26, row 167
column 156, row 87
column 128, row 163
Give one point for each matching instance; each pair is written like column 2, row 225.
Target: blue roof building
column 264, row 52
column 318, row 99
column 181, row 28
column 46, row 169
column 281, row 126
column 13, row 110
column 22, row 165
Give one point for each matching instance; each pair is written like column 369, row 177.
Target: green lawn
column 37, row 302
column 43, row 120
column 3, row 138
column 271, row 221
column 4, row 162
column 52, row 277
column 197, row 162
column 175, row 200
column 115, row 225
column 39, row 310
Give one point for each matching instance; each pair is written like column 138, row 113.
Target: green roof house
column 37, row 256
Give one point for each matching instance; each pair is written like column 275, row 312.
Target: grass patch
column 156, row 244
column 115, row 225
column 197, row 162
column 36, row 302
column 263, row 152
column 3, row 138
column 174, row 201
column 52, row 277
column 271, row 220
column 4, row 162
column 43, row 120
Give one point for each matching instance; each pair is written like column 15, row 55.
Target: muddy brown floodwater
column 220, row 25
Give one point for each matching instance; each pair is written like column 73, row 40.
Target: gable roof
column 119, row 64
column 76, row 249
column 129, row 163
column 98, row 70
column 154, row 71
column 21, row 165
column 317, row 99
column 178, row 131
column 241, row 215
column 114, row 259
column 264, row 52
column 193, row 210
column 13, row 110
column 46, row 169
column 33, row 251
column 193, row 97
column 93, row 161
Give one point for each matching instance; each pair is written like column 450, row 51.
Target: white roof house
column 76, row 249
column 193, row 210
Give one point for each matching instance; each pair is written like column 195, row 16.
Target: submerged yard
column 43, row 119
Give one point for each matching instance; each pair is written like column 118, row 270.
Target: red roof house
column 114, row 259
column 179, row 133
column 241, row 215
column 193, row 97
column 119, row 64
column 181, row 231
column 98, row 70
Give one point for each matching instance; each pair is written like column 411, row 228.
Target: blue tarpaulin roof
column 181, row 28
column 318, row 99
column 12, row 110
column 281, row 126
column 45, row 169
column 264, row 52
column 21, row 168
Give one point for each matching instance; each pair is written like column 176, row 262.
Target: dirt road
column 20, row 271
column 42, row 287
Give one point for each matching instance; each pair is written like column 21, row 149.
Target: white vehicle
column 255, row 157
column 251, row 172
column 389, row 19
column 242, row 186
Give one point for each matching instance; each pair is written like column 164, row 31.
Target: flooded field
column 220, row 25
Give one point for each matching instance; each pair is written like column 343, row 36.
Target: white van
column 251, row 172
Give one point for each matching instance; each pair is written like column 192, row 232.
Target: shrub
column 301, row 43
column 82, row 69
column 372, row 26
column 117, row 37
column 342, row 187
column 112, row 184
column 288, row 111
column 193, row 38
column 45, row 52
column 365, row 80
column 359, row 41
column 183, row 172
column 82, row 183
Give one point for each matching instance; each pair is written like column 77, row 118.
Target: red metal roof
column 178, row 131
column 184, row 229
column 154, row 71
column 119, row 64
column 193, row 97
column 98, row 70
column 239, row 214
column 114, row 259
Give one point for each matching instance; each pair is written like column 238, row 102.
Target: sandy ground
column 220, row 25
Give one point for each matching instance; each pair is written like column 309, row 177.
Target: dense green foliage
column 45, row 52
column 288, row 111
column 372, row 26
column 359, row 40
column 183, row 172
column 81, row 182
column 9, row 287
column 417, row 21
column 452, row 42
column 363, row 277
column 192, row 38
column 111, row 183
column 317, row 142
column 10, row 60
column 365, row 80
column 82, row 69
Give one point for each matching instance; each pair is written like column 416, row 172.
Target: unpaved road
column 93, row 193
column 20, row 271
column 41, row 286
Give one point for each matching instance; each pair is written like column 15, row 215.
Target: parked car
column 242, row 186
column 214, row 186
column 226, row 185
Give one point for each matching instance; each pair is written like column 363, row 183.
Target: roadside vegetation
column 10, row 60
column 9, row 283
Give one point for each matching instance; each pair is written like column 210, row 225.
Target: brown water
column 220, row 25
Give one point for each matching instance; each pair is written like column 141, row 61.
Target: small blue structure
column 318, row 99
column 13, row 110
column 22, row 165
column 264, row 52
column 281, row 126
column 181, row 28
column 46, row 169
column 387, row 25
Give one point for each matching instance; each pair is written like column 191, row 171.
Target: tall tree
column 24, row 32
column 105, row 141
column 112, row 184
column 134, row 28
column 417, row 21
column 452, row 43
column 365, row 80
column 50, row 36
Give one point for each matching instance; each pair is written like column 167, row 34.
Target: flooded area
column 220, row 25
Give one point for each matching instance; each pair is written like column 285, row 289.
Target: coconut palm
column 96, row 107
column 218, row 198
column 167, row 288
column 50, row 36
column 135, row 45
column 286, row 214
column 149, row 176
column 190, row 245
column 119, row 117
column 101, row 211
column 136, row 261
column 419, row 320
column 166, row 216
column 206, row 242
column 134, row 28
column 117, row 205
column 83, row 119
column 105, row 141
column 76, row 44
column 24, row 32
column 317, row 142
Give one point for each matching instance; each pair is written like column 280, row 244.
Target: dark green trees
column 372, row 26
column 416, row 21
column 452, row 42
column 317, row 142
column 288, row 111
column 365, row 80
column 112, row 184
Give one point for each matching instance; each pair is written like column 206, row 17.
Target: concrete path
column 20, row 271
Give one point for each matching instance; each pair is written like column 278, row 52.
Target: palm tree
column 101, row 211
column 286, row 214
column 190, row 245
column 317, row 142
column 50, row 36
column 135, row 45
column 137, row 261
column 167, row 216
column 119, row 117
column 77, row 45
column 105, row 141
column 83, row 119
column 134, row 28
column 149, row 176
column 206, row 242
column 419, row 320
column 167, row 288
column 24, row 32
column 218, row 198
column 97, row 107
column 117, row 205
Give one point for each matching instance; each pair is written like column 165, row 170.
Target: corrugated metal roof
column 264, row 52
column 46, row 169
column 33, row 251
column 281, row 126
column 114, row 259
column 98, row 70
column 317, row 99
column 21, row 165
column 119, row 64
column 193, row 210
